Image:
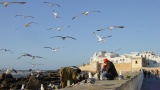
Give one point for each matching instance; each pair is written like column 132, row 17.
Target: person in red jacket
column 109, row 70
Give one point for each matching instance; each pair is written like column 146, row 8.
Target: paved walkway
column 151, row 84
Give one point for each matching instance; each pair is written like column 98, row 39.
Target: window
column 136, row 62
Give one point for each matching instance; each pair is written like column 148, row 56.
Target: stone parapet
column 134, row 83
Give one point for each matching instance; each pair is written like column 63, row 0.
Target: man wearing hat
column 109, row 69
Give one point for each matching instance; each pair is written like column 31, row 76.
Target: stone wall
column 133, row 84
column 97, row 66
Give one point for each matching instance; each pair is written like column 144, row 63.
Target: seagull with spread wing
column 26, row 25
column 57, row 28
column 24, row 16
column 84, row 13
column 7, row 3
column 100, row 39
column 29, row 55
column 34, row 64
column 6, row 50
column 111, row 28
column 51, row 4
column 64, row 37
column 56, row 15
column 53, row 49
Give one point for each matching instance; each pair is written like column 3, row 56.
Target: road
column 151, row 84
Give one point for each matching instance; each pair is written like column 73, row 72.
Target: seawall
column 134, row 83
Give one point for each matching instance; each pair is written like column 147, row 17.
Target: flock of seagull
column 100, row 38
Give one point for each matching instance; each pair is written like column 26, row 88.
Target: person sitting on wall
column 71, row 73
column 109, row 70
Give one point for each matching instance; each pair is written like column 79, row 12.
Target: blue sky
column 140, row 19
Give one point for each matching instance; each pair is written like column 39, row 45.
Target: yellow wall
column 119, row 67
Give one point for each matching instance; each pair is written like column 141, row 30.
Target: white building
column 152, row 60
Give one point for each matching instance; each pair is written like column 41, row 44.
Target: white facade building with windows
column 152, row 60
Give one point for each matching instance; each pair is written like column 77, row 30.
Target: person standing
column 109, row 70
column 69, row 73
column 156, row 73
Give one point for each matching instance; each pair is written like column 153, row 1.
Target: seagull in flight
column 84, row 13
column 57, row 28
column 6, row 50
column 29, row 55
column 53, row 49
column 51, row 4
column 34, row 64
column 56, row 15
column 7, row 3
column 26, row 25
column 64, row 37
column 24, row 16
column 111, row 28
column 100, row 39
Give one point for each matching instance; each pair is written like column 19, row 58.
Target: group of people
column 74, row 74
column 151, row 73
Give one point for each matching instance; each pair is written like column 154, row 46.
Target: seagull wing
column 48, row 47
column 14, row 70
column 56, row 4
column 107, row 36
column 101, row 29
column 97, row 35
column 71, row 37
column 2, row 49
column 99, row 38
column 50, row 28
column 39, row 57
column 20, row 57
column 39, row 64
column 76, row 16
column 18, row 15
column 1, row 2
column 26, row 54
column 118, row 26
column 56, row 36
column 32, row 22
column 17, row 2
column 10, row 51
column 47, row 2
column 29, row 16
column 94, row 11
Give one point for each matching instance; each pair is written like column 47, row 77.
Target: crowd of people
column 151, row 73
